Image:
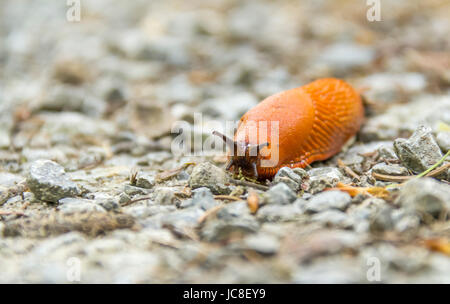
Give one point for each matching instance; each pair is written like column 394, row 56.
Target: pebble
column 9, row 179
column 382, row 220
column 209, row 176
column 420, row 151
column 405, row 221
column 391, row 169
column 132, row 190
column 425, row 196
column 292, row 178
column 49, row 182
column 182, row 219
column 443, row 140
column 165, row 196
column 233, row 211
column 333, row 217
column 221, row 230
column 280, row 194
column 262, row 243
column 321, row 178
column 105, row 200
column 328, row 200
column 124, row 198
column 202, row 198
column 144, row 180
column 75, row 205
column 279, row 213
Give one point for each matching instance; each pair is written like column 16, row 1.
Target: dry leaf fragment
column 253, row 201
column 441, row 245
column 379, row 192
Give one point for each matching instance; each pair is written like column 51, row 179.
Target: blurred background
column 140, row 65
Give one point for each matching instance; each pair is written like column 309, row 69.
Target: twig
column 348, row 170
column 136, row 200
column 12, row 213
column 227, row 197
column 391, row 178
column 438, row 171
column 250, row 184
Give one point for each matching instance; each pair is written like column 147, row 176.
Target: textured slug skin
column 315, row 121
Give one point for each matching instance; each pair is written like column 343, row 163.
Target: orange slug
column 313, row 123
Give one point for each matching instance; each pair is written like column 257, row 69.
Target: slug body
column 314, row 122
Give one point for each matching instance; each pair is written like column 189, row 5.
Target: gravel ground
column 88, row 180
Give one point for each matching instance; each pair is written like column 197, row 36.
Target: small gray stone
column 328, row 200
column 63, row 98
column 143, row 211
column 182, row 219
column 279, row 213
column 233, row 210
column 144, row 180
column 387, row 152
column 325, row 177
column 291, row 178
column 76, row 205
column 221, row 230
column 262, row 243
column 8, row 179
column 420, row 151
column 203, row 198
column 209, row 176
column 392, row 169
column 425, row 196
column 279, row 194
column 109, row 203
column 407, row 222
column 333, row 217
column 49, row 182
column 165, row 196
column 132, row 190
column 443, row 140
column 124, row 198
column 382, row 220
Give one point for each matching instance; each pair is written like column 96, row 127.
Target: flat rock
column 279, row 194
column 292, row 178
column 420, row 151
column 321, row 178
column 443, row 140
column 49, row 182
column 279, row 213
column 425, row 196
column 328, row 200
column 209, row 176
column 392, row 169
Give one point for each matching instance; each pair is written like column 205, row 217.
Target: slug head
column 243, row 157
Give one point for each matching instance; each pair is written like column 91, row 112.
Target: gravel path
column 91, row 190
